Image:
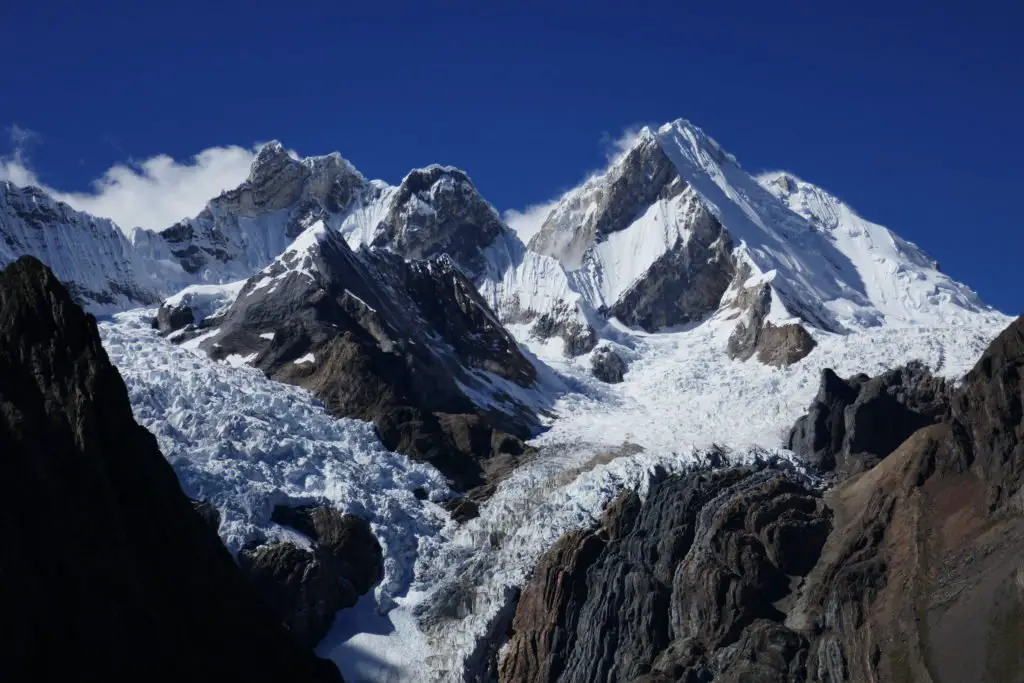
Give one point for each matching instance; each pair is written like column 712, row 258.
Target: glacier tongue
column 245, row 443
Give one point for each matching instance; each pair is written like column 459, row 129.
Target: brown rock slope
column 107, row 571
column 912, row 570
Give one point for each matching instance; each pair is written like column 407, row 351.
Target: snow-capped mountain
column 94, row 259
column 675, row 229
column 408, row 344
column 415, row 307
column 245, row 229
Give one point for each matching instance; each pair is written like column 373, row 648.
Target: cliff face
column 688, row 585
column 907, row 569
column 107, row 571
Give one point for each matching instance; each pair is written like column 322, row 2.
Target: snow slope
column 855, row 273
column 90, row 255
column 903, row 283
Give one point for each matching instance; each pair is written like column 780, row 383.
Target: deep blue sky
column 912, row 112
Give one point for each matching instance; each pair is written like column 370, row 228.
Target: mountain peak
column 420, row 179
column 272, row 149
column 271, row 160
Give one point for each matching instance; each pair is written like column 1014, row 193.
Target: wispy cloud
column 615, row 146
column 154, row 193
column 527, row 222
column 15, row 166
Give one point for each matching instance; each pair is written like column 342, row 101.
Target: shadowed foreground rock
column 108, row 572
column 908, row 571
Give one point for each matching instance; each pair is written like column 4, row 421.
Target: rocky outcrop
column 104, row 555
column 783, row 345
column 854, row 423
column 686, row 283
column 170, row 318
column 461, row 509
column 410, row 345
column 305, row 587
column 679, row 588
column 561, row 321
column 437, row 210
column 607, row 365
column 776, row 345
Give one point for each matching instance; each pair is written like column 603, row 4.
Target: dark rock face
column 987, row 413
column 776, row 345
column 306, row 588
column 435, row 211
column 104, row 553
column 173, row 318
column 406, row 344
column 686, row 283
column 854, row 423
column 461, row 509
column 690, row 580
column 607, row 366
column 907, row 571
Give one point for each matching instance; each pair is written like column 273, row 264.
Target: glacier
column 869, row 299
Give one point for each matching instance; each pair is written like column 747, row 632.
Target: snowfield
column 246, row 443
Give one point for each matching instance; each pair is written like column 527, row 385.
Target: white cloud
column 616, row 147
column 527, row 222
column 155, row 193
column 160, row 191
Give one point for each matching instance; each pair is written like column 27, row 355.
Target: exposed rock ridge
column 854, row 423
column 410, row 345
